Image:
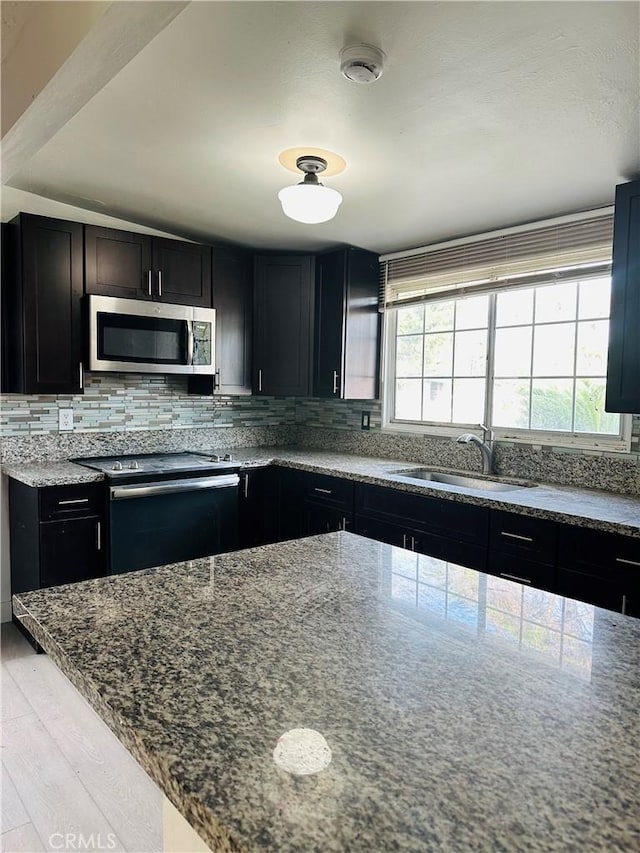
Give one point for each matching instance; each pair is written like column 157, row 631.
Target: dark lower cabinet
column 600, row 568
column 521, row 570
column 57, row 535
column 623, row 369
column 41, row 306
column 449, row 519
column 320, row 518
column 258, row 507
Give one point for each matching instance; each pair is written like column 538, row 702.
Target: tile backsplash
column 130, row 412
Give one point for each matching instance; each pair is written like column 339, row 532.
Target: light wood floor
column 64, row 774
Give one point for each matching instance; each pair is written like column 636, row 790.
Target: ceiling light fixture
column 310, row 201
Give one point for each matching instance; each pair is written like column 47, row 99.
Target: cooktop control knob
column 215, row 458
column 134, row 465
column 228, row 457
column 117, row 466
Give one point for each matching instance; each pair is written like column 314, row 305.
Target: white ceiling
column 487, row 115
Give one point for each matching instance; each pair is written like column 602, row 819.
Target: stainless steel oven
column 166, row 508
column 131, row 335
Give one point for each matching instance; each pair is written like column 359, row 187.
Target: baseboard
column 5, row 611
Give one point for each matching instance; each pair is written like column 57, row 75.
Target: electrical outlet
column 65, row 420
column 365, row 423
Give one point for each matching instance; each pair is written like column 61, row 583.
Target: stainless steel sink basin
column 479, row 483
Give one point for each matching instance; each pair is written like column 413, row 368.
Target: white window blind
column 555, row 249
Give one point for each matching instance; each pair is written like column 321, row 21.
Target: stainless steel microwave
column 130, row 335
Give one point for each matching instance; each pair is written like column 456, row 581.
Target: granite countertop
column 462, row 711
column 584, row 507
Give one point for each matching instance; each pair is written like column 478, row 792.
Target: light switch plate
column 65, row 420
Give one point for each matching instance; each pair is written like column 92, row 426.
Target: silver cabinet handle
column 627, row 562
column 514, row 578
column 260, row 379
column 149, row 290
column 516, row 536
column 624, row 605
column 344, row 522
column 413, row 544
column 335, row 381
column 98, row 536
column 81, row 376
column 189, row 341
column 246, row 485
column 159, row 282
column 74, row 501
column 404, row 540
column 323, row 491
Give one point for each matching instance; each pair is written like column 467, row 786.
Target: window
column 508, row 329
column 530, row 362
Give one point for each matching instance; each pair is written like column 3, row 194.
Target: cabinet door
column 362, row 327
column 51, row 256
column 233, row 301
column 623, row 372
column 328, row 374
column 283, row 325
column 347, row 325
column 446, row 518
column 592, row 590
column 258, row 507
column 381, row 531
column 325, row 519
column 71, row 551
column 182, row 272
column 117, row 263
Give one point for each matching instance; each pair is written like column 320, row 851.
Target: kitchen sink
column 481, row 483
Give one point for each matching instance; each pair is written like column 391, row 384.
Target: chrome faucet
column 485, row 444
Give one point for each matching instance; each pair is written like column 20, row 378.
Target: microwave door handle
column 189, row 342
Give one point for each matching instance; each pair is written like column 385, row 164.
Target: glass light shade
column 310, row 203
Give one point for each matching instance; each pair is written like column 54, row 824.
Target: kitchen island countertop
column 592, row 508
column 463, row 712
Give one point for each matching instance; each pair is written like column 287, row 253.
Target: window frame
column 594, row 442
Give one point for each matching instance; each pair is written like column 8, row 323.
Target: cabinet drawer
column 526, row 572
column 597, row 591
column 595, row 552
column 523, row 536
column 60, row 502
column 333, row 491
column 452, row 519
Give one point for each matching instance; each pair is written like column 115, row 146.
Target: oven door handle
column 168, row 487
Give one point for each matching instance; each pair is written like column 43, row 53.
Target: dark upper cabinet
column 232, row 278
column 182, row 272
column 623, row 373
column 41, row 300
column 347, row 325
column 233, row 301
column 117, row 263
column 283, row 324
column 136, row 266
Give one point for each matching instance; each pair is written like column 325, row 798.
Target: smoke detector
column 361, row 63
